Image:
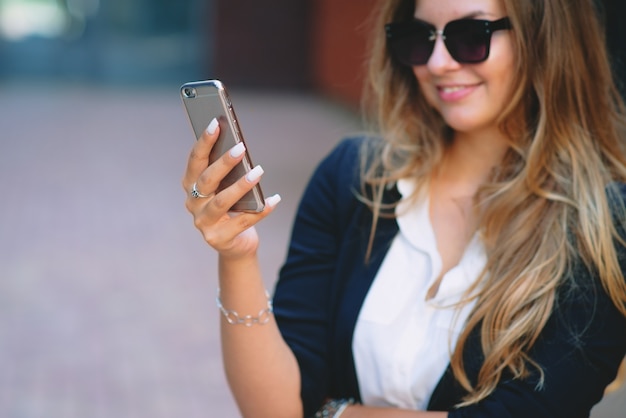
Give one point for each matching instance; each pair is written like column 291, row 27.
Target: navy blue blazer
column 325, row 278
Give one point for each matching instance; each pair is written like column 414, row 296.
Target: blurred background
column 106, row 290
column 277, row 44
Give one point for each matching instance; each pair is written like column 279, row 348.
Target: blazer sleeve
column 303, row 298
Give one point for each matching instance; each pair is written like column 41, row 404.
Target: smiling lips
column 451, row 93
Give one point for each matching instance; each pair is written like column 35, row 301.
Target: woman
column 468, row 264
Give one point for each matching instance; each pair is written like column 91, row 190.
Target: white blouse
column 402, row 341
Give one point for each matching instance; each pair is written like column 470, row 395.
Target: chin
column 466, row 121
column 462, row 125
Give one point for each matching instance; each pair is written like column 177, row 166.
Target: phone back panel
column 203, row 101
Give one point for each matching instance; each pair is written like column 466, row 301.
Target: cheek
column 427, row 89
column 505, row 69
column 504, row 86
column 421, row 74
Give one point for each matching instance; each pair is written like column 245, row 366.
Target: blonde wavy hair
column 549, row 203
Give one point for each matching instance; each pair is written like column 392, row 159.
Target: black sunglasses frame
column 417, row 31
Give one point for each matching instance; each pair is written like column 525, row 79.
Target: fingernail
column 237, row 150
column 254, row 174
column 273, row 200
column 212, row 126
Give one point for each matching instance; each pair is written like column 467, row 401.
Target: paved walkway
column 106, row 289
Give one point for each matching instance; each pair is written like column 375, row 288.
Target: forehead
column 442, row 11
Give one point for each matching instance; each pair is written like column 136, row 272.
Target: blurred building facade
column 103, row 41
column 317, row 44
column 314, row 45
column 274, row 44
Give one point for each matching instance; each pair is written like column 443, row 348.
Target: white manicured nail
column 254, row 174
column 273, row 200
column 237, row 150
column 212, row 126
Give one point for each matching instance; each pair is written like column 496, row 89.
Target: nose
column 440, row 60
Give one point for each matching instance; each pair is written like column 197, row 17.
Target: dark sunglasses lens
column 409, row 42
column 467, row 41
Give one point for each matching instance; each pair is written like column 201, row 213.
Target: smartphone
column 205, row 100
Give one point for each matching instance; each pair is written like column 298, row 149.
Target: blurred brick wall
column 261, row 44
column 340, row 31
column 287, row 44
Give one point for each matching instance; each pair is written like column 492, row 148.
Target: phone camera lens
column 189, row 92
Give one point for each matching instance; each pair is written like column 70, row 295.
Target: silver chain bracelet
column 232, row 317
column 334, row 408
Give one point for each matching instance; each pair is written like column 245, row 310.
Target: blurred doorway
column 111, row 41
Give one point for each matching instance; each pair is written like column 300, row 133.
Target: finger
column 208, row 182
column 225, row 199
column 213, row 175
column 243, row 221
column 199, row 156
column 228, row 233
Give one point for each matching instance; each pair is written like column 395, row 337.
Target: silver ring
column 195, row 193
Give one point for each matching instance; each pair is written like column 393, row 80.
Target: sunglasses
column 467, row 40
